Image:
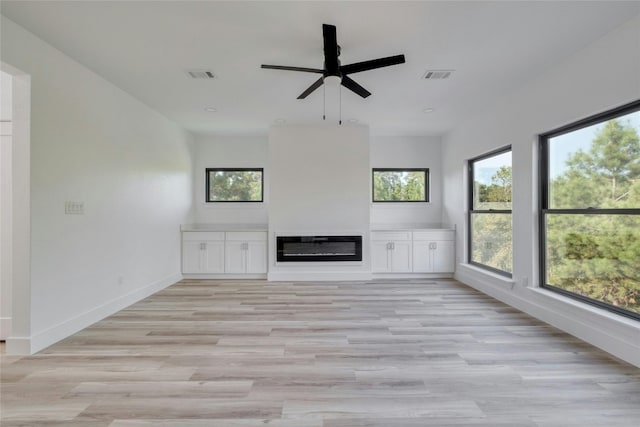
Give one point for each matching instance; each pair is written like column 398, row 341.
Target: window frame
column 544, row 209
column 427, row 190
column 207, row 184
column 471, row 210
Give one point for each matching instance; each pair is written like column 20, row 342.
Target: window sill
column 234, row 205
column 584, row 307
column 580, row 310
column 502, row 279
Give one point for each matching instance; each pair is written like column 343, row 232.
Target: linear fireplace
column 318, row 248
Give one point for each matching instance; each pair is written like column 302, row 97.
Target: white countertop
column 411, row 227
column 224, row 227
column 265, row 227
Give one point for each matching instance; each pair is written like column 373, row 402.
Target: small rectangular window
column 400, row 185
column 490, row 229
column 234, row 185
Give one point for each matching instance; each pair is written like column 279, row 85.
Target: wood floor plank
column 385, row 353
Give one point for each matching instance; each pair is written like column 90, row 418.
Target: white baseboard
column 412, row 275
column 5, row 328
column 610, row 332
column 19, row 346
column 43, row 339
column 317, row 276
column 224, row 276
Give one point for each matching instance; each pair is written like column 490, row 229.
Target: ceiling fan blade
column 311, row 88
column 331, row 63
column 372, row 64
column 285, row 67
column 350, row 84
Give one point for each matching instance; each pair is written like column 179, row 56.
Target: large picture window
column 234, row 185
column 400, row 185
column 489, row 221
column 590, row 210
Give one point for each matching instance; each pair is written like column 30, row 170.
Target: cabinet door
column 401, row 257
column 256, row 257
column 379, row 256
column 443, row 257
column 422, row 257
column 191, row 257
column 234, row 261
column 213, row 257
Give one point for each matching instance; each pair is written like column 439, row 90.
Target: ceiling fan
column 333, row 68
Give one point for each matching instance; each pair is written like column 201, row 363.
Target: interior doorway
column 6, row 132
column 15, row 210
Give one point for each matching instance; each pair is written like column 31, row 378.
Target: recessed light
column 210, row 109
column 428, row 110
column 280, row 120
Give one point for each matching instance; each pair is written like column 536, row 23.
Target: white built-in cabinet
column 433, row 251
column 391, row 252
column 203, row 252
column 220, row 252
column 245, row 252
column 430, row 251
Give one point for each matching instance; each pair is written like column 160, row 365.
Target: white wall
column 572, row 90
column 319, row 183
column 408, row 152
column 131, row 167
column 225, row 152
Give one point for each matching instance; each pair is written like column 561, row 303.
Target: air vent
column 437, row 74
column 201, row 74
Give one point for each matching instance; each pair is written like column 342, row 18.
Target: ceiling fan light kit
column 334, row 73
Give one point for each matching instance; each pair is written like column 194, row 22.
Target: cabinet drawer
column 391, row 235
column 246, row 236
column 433, row 235
column 188, row 236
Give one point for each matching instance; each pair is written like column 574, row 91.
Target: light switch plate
column 73, row 208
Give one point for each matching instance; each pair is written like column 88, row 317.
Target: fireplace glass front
column 318, row 248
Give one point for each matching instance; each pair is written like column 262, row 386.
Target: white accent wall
column 319, row 184
column 230, row 152
column 129, row 166
column 408, row 152
column 570, row 91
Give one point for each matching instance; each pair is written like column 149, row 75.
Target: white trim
column 299, row 264
column 6, row 128
column 500, row 278
column 321, row 276
column 62, row 330
column 612, row 333
column 19, row 250
column 5, row 327
column 224, row 276
column 19, row 345
column 412, row 276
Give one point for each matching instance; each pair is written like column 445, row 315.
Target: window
column 489, row 221
column 234, row 185
column 400, row 185
column 590, row 210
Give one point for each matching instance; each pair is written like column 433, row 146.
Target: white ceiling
column 146, row 47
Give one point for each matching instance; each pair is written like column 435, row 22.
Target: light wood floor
column 353, row 354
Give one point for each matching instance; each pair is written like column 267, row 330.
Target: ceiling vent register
column 201, row 74
column 437, row 74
